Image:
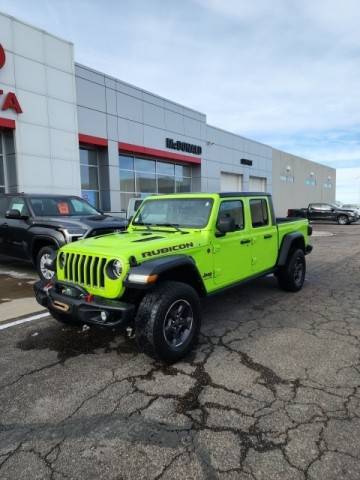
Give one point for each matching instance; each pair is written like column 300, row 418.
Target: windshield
column 180, row 212
column 61, row 206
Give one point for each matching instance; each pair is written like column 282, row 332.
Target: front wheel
column 291, row 276
column 44, row 255
column 168, row 321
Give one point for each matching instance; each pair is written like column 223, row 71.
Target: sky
column 283, row 72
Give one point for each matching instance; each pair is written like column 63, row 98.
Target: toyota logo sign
column 2, row 56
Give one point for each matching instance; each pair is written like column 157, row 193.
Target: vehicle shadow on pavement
column 72, row 341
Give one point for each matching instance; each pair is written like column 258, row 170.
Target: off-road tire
column 152, row 314
column 292, row 275
column 48, row 250
column 343, row 220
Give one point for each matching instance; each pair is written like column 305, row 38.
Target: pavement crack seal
column 31, row 372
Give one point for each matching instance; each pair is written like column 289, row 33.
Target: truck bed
column 289, row 225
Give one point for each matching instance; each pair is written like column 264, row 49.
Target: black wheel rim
column 178, row 323
column 299, row 271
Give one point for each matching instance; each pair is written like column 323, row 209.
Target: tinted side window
column 234, row 209
column 18, row 203
column 259, row 212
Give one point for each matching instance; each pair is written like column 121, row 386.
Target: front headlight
column 72, row 234
column 114, row 269
column 62, row 260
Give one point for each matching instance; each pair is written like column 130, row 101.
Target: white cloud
column 265, row 69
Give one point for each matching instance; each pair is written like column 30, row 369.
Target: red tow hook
column 48, row 286
column 89, row 298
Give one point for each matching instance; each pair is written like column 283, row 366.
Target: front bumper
column 81, row 306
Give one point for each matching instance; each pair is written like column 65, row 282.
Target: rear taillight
column 310, row 230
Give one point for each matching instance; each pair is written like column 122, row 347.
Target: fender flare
column 54, row 239
column 286, row 245
column 160, row 267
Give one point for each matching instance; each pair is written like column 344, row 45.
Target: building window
column 311, row 180
column 8, row 176
column 89, row 172
column 287, row 178
column 2, row 168
column 140, row 177
column 328, row 185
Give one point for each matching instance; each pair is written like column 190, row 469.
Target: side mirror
column 15, row 214
column 226, row 225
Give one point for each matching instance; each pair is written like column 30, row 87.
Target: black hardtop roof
column 244, row 194
column 203, row 194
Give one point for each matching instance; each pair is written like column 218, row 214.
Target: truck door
column 4, row 207
column 15, row 229
column 232, row 251
column 264, row 236
column 319, row 211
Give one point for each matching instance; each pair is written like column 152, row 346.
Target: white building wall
column 223, row 153
column 39, row 69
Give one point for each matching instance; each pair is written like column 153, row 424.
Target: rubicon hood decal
column 174, row 248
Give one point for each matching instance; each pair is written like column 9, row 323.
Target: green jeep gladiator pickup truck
column 148, row 280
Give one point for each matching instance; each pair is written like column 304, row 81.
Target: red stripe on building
column 90, row 140
column 154, row 152
column 7, row 123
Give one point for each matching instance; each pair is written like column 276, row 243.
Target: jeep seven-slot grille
column 85, row 270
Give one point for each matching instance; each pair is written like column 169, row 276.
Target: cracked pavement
column 271, row 392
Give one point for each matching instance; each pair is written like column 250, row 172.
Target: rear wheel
column 168, row 321
column 291, row 276
column 343, row 220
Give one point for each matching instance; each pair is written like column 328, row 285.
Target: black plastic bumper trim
column 119, row 314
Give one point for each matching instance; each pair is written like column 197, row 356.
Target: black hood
column 83, row 222
column 347, row 210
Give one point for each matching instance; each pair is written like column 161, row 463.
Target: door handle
column 268, row 236
column 243, row 242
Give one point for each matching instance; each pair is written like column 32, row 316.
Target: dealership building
column 68, row 129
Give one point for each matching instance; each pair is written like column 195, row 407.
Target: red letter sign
column 11, row 102
column 2, row 56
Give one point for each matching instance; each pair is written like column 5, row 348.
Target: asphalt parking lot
column 272, row 392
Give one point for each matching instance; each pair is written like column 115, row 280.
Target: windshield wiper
column 173, row 225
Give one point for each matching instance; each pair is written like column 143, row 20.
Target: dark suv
column 33, row 226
